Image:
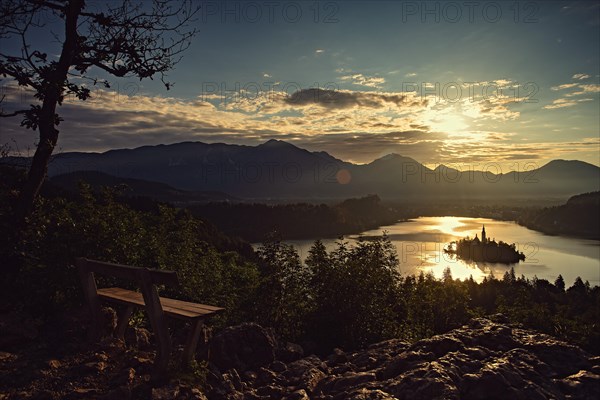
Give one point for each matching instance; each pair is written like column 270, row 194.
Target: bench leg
column 158, row 322
column 123, row 322
column 189, row 350
column 90, row 292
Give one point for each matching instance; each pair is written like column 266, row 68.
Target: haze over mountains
column 279, row 170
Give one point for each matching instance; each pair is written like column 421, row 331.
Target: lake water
column 420, row 243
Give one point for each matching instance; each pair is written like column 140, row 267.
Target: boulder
column 288, row 352
column 485, row 359
column 243, row 347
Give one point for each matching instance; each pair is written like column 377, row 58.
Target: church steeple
column 483, row 237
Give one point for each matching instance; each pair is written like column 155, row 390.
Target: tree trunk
column 47, row 116
column 37, row 172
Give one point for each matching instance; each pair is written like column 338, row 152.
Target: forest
column 254, row 221
column 349, row 297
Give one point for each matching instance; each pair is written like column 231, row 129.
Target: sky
column 457, row 83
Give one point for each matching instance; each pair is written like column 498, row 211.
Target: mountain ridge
column 278, row 142
column 281, row 171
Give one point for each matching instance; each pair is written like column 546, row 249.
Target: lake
column 420, row 243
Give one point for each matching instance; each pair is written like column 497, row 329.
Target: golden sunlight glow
column 447, row 121
column 448, row 225
column 460, row 270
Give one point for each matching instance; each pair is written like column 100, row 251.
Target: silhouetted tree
column 578, row 287
column 447, row 275
column 124, row 39
column 283, row 291
column 560, row 283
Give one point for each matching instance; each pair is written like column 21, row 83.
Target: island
column 485, row 250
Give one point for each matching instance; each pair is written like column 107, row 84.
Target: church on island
column 485, row 250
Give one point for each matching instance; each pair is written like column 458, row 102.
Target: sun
column 447, row 120
column 453, row 124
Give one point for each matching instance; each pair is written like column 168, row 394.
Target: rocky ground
column 486, row 359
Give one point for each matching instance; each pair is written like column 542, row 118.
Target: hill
column 131, row 187
column 579, row 216
column 280, row 171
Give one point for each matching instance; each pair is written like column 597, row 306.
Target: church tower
column 483, row 237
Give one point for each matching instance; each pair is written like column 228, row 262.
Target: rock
column 249, row 376
column 289, row 352
column 277, row 366
column 427, row 381
column 488, row 385
column 582, row 385
column 243, row 347
column 439, row 345
column 251, row 395
column 311, row 378
column 342, row 369
column 271, row 391
column 338, row 357
column 197, row 394
column 6, row 357
column 120, row 393
column 164, row 393
column 83, row 392
column 233, row 378
column 96, row 366
column 125, row 377
column 364, row 361
column 405, row 362
column 564, row 359
column 481, row 360
column 142, row 338
column 101, row 366
column 306, row 373
column 299, row 367
column 298, row 395
column 366, row 394
column 142, row 361
column 266, row 377
column 351, row 380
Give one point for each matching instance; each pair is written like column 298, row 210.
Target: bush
column 99, row 227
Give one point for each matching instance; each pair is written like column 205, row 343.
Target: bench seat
column 171, row 307
column 157, row 308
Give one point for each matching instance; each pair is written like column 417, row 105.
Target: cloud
column 354, row 125
column 584, row 88
column 564, row 86
column 562, row 103
column 319, row 51
column 362, row 80
column 581, row 76
column 503, row 83
column 591, row 88
column 344, row 99
column 410, row 75
column 265, row 75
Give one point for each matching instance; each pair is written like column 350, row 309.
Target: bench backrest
column 127, row 272
column 147, row 279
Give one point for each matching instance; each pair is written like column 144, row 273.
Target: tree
column 283, row 293
column 447, row 275
column 131, row 38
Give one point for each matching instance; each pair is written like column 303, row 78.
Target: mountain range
column 278, row 170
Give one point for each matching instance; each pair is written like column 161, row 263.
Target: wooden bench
column 156, row 307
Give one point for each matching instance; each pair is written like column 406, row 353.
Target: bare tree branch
column 140, row 38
